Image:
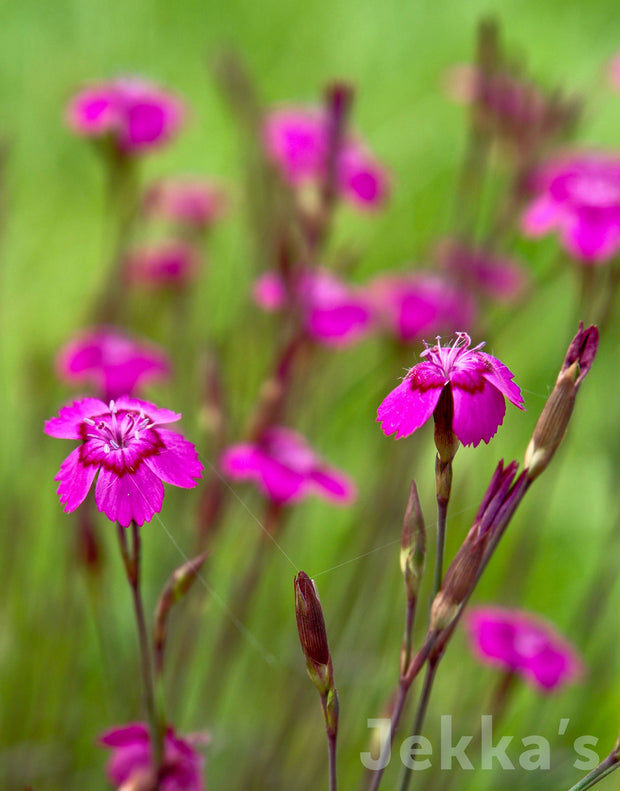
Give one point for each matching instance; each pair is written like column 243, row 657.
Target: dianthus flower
column 498, row 278
column 111, row 362
column 169, row 264
column 420, row 304
column 334, row 313
column 286, row 469
column 297, row 140
column 189, row 201
column 478, row 383
column 522, row 643
column 134, row 113
column 579, row 197
column 127, row 444
column 131, row 763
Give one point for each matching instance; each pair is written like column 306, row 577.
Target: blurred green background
column 67, row 647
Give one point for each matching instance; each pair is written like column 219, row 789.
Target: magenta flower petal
column 178, row 464
column 478, row 383
column 579, row 197
column 75, row 480
column 279, row 482
column 125, row 444
column 362, row 180
column 524, row 644
column 339, row 325
column 335, row 486
column 191, row 201
column 405, row 409
column 269, row 291
column 136, row 497
column 477, row 413
column 70, row 418
column 285, row 468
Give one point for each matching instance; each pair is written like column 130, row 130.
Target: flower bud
column 179, row 582
column 413, row 544
column 556, row 414
column 312, row 633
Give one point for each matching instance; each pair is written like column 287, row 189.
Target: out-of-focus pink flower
column 131, row 764
column 613, row 72
column 579, row 197
column 297, row 140
column 286, row 469
column 111, row 362
column 169, row 264
column 334, row 313
column 495, row 277
column 525, row 644
column 421, row 304
column 126, row 443
column 478, row 382
column 137, row 115
column 188, row 201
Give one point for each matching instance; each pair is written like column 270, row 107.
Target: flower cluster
column 134, row 113
column 297, row 140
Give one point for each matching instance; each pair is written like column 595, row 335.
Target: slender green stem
column 442, row 514
column 408, row 638
column 156, row 717
column 420, row 714
column 331, row 751
column 606, row 767
column 404, row 685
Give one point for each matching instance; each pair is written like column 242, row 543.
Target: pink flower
column 522, row 643
column 189, row 201
column 297, row 141
column 169, row 264
column 614, row 72
column 134, row 113
column 111, row 362
column 131, row 763
column 125, row 443
column 334, row 313
column 497, row 278
column 286, row 469
column 412, row 306
column 579, row 197
column 478, row 383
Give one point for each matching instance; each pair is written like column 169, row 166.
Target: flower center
column 447, row 357
column 117, row 430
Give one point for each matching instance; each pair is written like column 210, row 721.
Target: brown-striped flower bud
column 413, row 544
column 312, row 634
column 554, row 418
column 177, row 585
